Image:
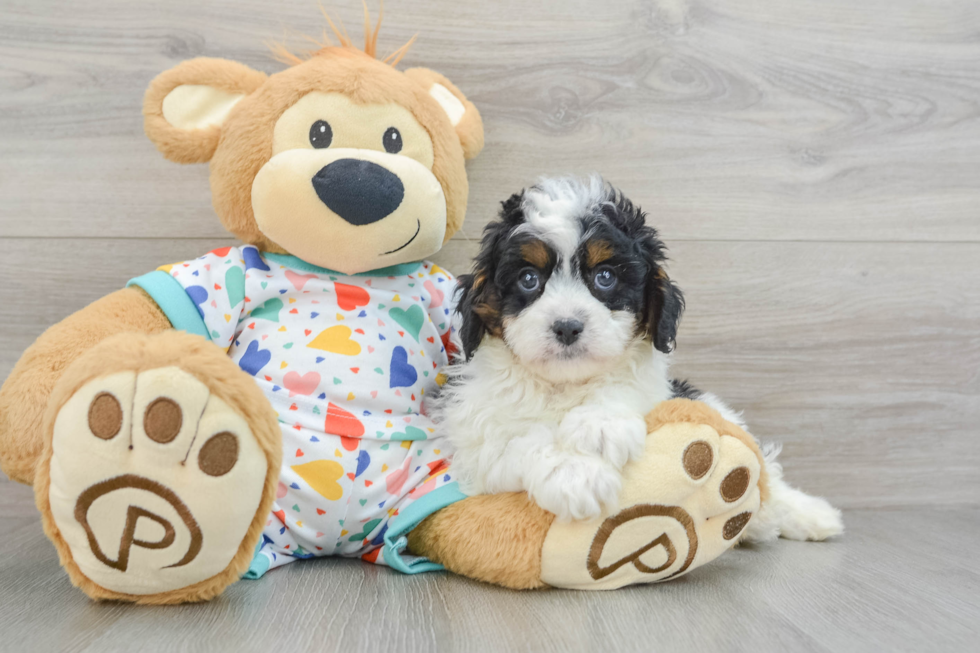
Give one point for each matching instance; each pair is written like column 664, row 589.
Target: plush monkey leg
column 685, row 502
column 159, row 466
column 496, row 538
column 25, row 393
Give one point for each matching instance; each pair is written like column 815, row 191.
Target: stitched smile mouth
column 418, row 228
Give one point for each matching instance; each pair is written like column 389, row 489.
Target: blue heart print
column 252, row 260
column 254, row 359
column 198, row 295
column 379, row 539
column 402, row 375
column 363, row 460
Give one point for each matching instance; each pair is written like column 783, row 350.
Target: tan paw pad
column 683, row 503
column 154, row 480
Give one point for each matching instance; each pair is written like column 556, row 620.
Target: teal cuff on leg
column 396, row 537
column 173, row 300
column 260, row 564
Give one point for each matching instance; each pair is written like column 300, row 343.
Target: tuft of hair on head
column 586, row 192
column 283, row 54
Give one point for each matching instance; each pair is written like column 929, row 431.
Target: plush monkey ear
column 184, row 107
column 462, row 114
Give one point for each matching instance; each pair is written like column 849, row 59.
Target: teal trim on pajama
column 173, row 300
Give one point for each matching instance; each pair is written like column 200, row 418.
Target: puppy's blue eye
column 528, row 281
column 320, row 134
column 605, row 279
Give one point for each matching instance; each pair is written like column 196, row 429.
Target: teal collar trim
column 293, row 263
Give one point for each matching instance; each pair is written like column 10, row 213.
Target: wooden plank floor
column 814, row 172
column 878, row 589
column 813, row 166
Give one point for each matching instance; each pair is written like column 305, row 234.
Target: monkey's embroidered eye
column 392, row 141
column 321, row 134
column 528, row 280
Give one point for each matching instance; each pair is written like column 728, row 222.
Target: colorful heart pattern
column 336, row 340
column 298, row 280
column 268, row 311
column 235, row 284
column 436, row 296
column 410, row 320
column 342, row 422
column 350, row 297
column 401, row 373
column 346, row 362
column 301, row 385
column 254, row 359
column 322, row 477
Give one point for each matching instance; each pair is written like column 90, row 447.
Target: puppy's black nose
column 567, row 331
column 360, row 192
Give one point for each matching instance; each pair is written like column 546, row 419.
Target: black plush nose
column 567, row 331
column 359, row 191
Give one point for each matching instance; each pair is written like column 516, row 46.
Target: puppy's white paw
column 811, row 518
column 764, row 527
column 593, row 431
column 575, row 487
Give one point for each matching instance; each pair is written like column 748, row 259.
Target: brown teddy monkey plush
column 264, row 403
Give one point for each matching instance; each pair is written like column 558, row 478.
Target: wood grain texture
column 793, row 121
column 862, row 358
column 813, row 166
column 877, row 589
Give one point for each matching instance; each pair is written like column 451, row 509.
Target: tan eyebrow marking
column 597, row 251
column 536, row 253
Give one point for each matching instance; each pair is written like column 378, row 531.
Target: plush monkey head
column 340, row 160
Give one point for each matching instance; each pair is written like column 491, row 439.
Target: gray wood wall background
column 813, row 165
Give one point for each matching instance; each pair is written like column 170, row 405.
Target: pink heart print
column 396, row 480
column 301, row 385
column 298, row 280
column 437, row 295
column 424, row 489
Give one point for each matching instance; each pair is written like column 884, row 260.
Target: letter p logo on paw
column 133, row 514
column 154, row 481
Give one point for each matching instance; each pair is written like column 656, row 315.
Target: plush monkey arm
column 685, row 501
column 24, row 395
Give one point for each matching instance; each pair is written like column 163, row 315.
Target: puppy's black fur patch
column 641, row 253
column 486, row 296
column 682, row 389
column 615, row 236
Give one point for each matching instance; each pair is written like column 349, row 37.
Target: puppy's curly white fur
column 567, row 324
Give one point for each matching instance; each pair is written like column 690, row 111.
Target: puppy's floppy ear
column 184, row 107
column 460, row 111
column 664, row 301
column 477, row 295
column 665, row 304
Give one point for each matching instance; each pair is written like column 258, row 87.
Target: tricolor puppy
column 567, row 324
